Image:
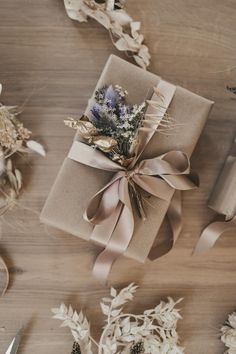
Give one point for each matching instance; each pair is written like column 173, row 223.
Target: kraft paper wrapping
column 77, row 183
column 223, row 197
column 223, row 201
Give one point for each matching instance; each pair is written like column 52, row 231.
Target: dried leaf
column 84, row 127
column 113, row 292
column 110, row 5
column 36, row 147
column 121, row 17
column 18, row 179
column 2, row 165
column 74, row 10
column 115, row 19
column 104, row 143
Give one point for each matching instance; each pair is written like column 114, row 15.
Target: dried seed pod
column 137, row 348
column 76, row 348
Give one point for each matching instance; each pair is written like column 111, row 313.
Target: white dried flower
column 232, row 320
column 228, row 336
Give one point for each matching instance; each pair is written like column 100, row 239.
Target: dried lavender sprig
column 112, row 116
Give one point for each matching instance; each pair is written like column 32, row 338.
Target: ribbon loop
column 212, row 232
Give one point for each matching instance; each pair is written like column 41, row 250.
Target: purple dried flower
column 112, row 97
column 113, row 117
column 96, row 111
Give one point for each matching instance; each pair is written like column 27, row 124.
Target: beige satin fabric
column 110, row 209
column 212, row 232
column 174, row 215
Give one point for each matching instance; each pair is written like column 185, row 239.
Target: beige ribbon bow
column 110, row 209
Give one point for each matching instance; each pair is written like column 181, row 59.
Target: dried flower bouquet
column 153, row 331
column 112, row 15
column 113, row 127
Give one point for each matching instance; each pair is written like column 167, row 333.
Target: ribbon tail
column 174, row 215
column 212, row 233
column 119, row 239
column 4, row 278
column 103, row 264
column 102, row 233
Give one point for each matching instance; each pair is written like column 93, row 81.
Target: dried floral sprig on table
column 153, row 331
column 228, row 334
column 111, row 14
column 113, row 124
column 14, row 139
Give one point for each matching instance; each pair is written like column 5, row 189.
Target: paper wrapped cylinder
column 223, row 201
column 77, row 183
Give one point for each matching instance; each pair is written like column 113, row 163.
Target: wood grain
column 43, row 54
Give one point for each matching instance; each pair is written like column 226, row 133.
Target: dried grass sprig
column 153, row 331
column 111, row 14
column 14, row 139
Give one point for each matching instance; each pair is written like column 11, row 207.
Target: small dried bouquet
column 113, row 124
column 14, row 139
column 228, row 334
column 153, row 331
column 113, row 127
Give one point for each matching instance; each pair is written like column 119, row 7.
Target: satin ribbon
column 174, row 215
column 110, row 209
column 212, row 232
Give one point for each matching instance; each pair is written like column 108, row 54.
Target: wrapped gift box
column 77, row 183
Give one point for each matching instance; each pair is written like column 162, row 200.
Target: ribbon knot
column 129, row 174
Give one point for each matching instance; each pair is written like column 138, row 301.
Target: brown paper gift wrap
column 77, row 183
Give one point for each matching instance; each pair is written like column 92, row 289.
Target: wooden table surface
column 56, row 62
